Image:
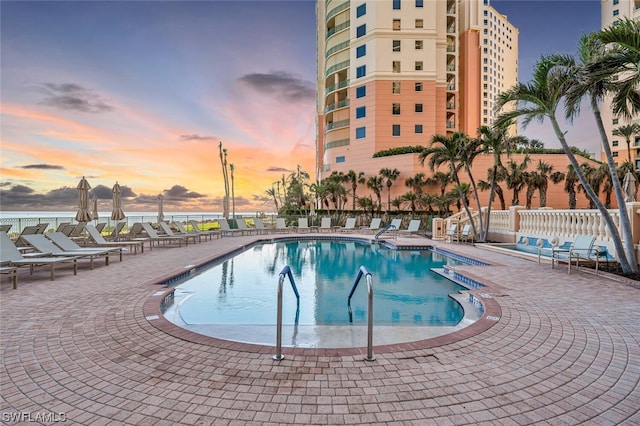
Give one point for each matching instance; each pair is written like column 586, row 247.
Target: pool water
column 243, row 290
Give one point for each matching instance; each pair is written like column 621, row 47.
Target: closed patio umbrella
column 94, row 208
column 83, row 214
column 117, row 213
column 160, row 208
column 629, row 187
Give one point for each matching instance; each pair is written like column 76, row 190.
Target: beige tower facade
column 611, row 11
column 392, row 73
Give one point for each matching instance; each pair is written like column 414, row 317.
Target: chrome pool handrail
column 286, row 272
column 363, row 272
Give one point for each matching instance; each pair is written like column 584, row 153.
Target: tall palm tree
column 539, row 99
column 447, row 150
column 412, row 199
column 544, row 175
column 355, row 179
column 375, row 184
column 531, row 180
column 442, row 179
column 390, row 175
column 570, row 182
column 627, row 131
column 416, row 183
column 515, row 178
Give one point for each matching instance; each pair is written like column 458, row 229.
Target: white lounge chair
column 349, row 226
column 260, row 227
column 226, row 229
column 168, row 231
column 196, row 228
column 413, row 228
column 153, row 236
column 581, row 250
column 303, row 225
column 452, row 232
column 48, row 248
column 466, row 234
column 325, row 225
column 281, row 225
column 242, row 225
column 10, row 256
column 99, row 240
column 373, row 226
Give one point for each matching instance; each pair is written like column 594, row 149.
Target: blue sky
column 140, row 92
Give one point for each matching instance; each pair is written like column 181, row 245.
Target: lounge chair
column 452, row 232
column 42, row 227
column 196, row 228
column 281, row 225
column 349, row 226
column 49, row 248
column 99, row 241
column 466, row 234
column 115, row 234
column 62, row 226
column 168, row 231
column 395, row 224
column 5, row 228
column 27, row 230
column 260, row 227
column 325, row 225
column 373, row 226
column 581, row 249
column 100, row 226
column 226, row 229
column 10, row 256
column 413, row 228
column 242, row 225
column 152, row 235
column 303, row 225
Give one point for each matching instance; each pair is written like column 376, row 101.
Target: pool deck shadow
column 563, row 349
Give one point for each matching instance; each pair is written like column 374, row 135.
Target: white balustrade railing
column 499, row 221
column 566, row 224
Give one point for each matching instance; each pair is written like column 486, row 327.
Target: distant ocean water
column 106, row 214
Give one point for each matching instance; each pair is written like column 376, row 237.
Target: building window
column 615, row 12
column 396, row 109
column 418, row 108
column 396, row 45
column 361, row 30
column 418, row 128
column 340, row 159
column 419, row 23
column 361, row 51
column 396, row 4
column 361, row 10
column 395, row 66
column 361, row 71
column 361, row 132
column 418, row 65
column 419, row 3
column 395, row 130
column 395, row 87
column 361, row 112
column 614, row 154
column 361, row 91
column 396, row 25
column 615, row 2
column 418, row 87
column 419, row 44
column 614, row 143
column 615, row 121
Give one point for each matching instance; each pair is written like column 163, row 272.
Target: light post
column 233, row 197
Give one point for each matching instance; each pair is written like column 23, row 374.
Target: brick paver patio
column 565, row 350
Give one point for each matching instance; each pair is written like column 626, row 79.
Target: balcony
column 337, row 67
column 337, row 28
column 451, row 86
column 451, row 48
column 451, row 125
column 451, row 105
column 340, row 85
column 333, row 12
column 337, row 125
column 343, row 103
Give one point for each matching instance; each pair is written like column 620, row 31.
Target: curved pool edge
column 153, row 312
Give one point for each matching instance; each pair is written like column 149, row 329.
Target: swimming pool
column 235, row 298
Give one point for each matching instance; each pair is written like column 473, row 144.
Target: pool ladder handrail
column 383, row 230
column 286, row 272
column 363, row 272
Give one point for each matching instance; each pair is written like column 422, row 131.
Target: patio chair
column 168, row 231
column 466, row 234
column 226, row 229
column 153, row 236
column 5, row 228
column 281, row 225
column 47, row 247
column 196, row 228
column 373, row 226
column 452, row 232
column 100, row 226
column 349, row 226
column 242, row 225
column 581, row 250
column 12, row 271
column 413, row 228
column 260, row 227
column 99, row 241
column 115, row 234
column 27, row 230
column 325, row 225
column 10, row 256
column 303, row 225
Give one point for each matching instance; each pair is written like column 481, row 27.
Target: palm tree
column 627, row 131
column 416, row 183
column 448, row 150
column 375, row 183
column 531, row 179
column 397, row 203
column 390, row 175
column 515, row 178
column 539, row 99
column 544, row 174
column 410, row 198
column 570, row 182
column 355, row 179
column 442, row 179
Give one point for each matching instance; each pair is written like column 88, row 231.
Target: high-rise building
column 392, row 73
column 612, row 11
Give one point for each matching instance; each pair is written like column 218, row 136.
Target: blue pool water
column 243, row 290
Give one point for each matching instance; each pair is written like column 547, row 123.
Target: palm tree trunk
column 492, row 191
column 479, row 237
column 625, row 223
column 589, row 191
column 463, row 199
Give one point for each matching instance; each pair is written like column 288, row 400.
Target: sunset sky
column 141, row 92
